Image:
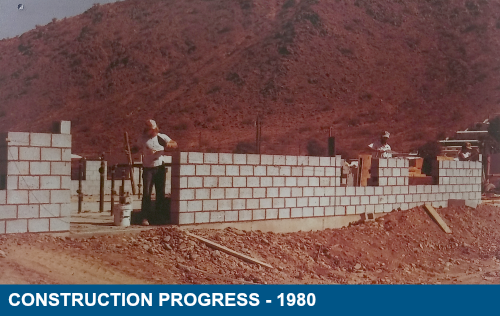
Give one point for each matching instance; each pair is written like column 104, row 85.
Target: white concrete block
column 266, row 203
column 308, row 211
column 245, row 215
column 285, row 192
column 290, row 202
column 339, row 211
column 340, row 191
column 370, row 208
column 232, row 170
column 308, row 171
column 392, row 181
column 245, row 193
column 278, row 181
column 291, row 181
column 246, row 170
column 239, row 182
column 303, row 181
column 325, row 161
column 303, row 161
column 18, row 139
column 349, row 210
column 51, row 154
column 314, row 161
column 295, row 212
column 278, row 202
column 28, row 211
column 400, row 163
column 18, row 168
column 60, row 196
column 319, row 211
column 232, row 193
column 382, row 181
column 266, row 160
column 216, row 217
column 355, row 200
column 17, row 196
column 350, row 190
column 202, row 170
column 49, row 182
column 217, row 170
column 365, row 199
column 291, row 160
column 279, row 160
column 391, row 199
column 325, row 201
column 272, row 213
column 194, row 206
column 210, row 182
column 195, row 158
column 12, row 153
column 260, row 171
column 224, row 205
column 330, row 171
column 3, row 197
column 39, row 196
column 38, row 225
column 52, row 210
column 29, row 153
column 253, row 182
column 239, row 159
column 65, row 182
column 8, row 211
column 259, row 192
column 12, row 182
column 308, row 191
column 239, row 204
column 60, row 168
column 225, row 182
column 16, row 226
column 202, row 194
column 319, row 191
column 259, row 215
column 211, row 158
column 253, row 159
column 186, row 218
column 217, row 194
column 266, row 182
column 61, row 140
column 313, row 181
column 273, row 171
column 319, row 171
column 210, row 205
column 252, row 204
column 285, row 171
column 284, row 213
column 314, row 201
column 40, row 140
column 272, row 192
column 195, row 182
column 187, row 170
column 201, row 217
column 345, row 200
column 302, row 201
column 391, row 162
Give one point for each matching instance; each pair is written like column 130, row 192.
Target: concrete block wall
column 35, row 196
column 215, row 188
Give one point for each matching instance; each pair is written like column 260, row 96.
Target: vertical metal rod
column 80, row 178
column 257, row 135
column 140, row 183
column 113, row 169
column 101, row 193
column 122, row 191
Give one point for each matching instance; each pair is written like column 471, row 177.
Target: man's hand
column 171, row 144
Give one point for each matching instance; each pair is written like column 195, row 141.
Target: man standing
column 152, row 145
column 382, row 147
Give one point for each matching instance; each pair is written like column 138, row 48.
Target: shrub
column 245, row 148
column 314, row 148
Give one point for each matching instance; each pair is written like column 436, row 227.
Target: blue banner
column 248, row 299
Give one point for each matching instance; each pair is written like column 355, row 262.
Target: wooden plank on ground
column 229, row 251
column 432, row 212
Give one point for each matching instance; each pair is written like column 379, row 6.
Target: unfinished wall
column 36, row 173
column 215, row 188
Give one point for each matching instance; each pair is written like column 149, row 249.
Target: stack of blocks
column 211, row 187
column 35, row 193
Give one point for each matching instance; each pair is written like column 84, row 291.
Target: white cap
column 151, row 124
column 386, row 134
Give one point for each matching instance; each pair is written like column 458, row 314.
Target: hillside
column 204, row 69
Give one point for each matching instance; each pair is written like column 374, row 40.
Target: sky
column 14, row 22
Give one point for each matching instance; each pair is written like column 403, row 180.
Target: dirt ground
column 405, row 247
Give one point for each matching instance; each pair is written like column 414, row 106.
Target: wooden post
column 331, row 144
column 257, row 136
column 113, row 169
column 101, row 191
column 80, row 178
column 130, row 162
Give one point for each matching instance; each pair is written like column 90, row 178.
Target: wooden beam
column 229, row 251
column 432, row 212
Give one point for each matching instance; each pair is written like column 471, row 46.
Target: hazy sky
column 15, row 22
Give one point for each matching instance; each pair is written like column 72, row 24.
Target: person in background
column 467, row 153
column 152, row 145
column 381, row 147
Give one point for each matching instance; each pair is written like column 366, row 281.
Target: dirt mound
column 401, row 247
column 205, row 69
